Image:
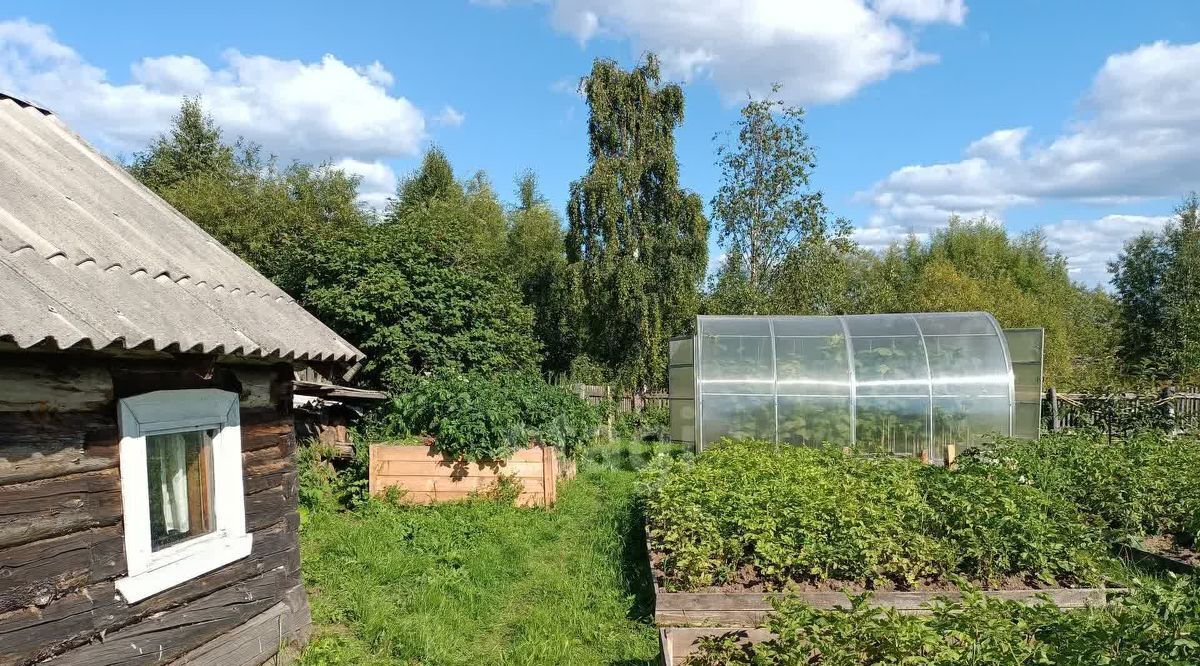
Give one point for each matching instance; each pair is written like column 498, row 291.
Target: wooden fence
column 625, row 402
column 1120, row 413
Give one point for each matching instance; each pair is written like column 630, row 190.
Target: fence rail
column 625, row 401
column 1120, row 413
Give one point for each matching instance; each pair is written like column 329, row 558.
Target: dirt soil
column 748, row 579
column 1167, row 546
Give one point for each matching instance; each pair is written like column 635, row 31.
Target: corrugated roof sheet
column 91, row 258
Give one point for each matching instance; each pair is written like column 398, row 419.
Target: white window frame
column 161, row 412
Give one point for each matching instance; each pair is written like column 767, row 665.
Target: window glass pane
column 965, row 422
column 178, row 470
column 683, row 421
column 890, row 366
column 955, row 323
column 880, row 325
column 893, row 425
column 1028, row 381
column 734, row 326
column 1027, row 420
column 736, row 364
column 967, row 365
column 814, row 421
column 682, row 384
column 738, row 417
column 680, row 351
column 812, row 366
column 807, row 326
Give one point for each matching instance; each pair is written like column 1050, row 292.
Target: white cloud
column 377, row 180
column 1089, row 245
column 450, row 117
column 1137, row 137
column 820, row 50
column 316, row 111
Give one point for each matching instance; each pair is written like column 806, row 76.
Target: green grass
column 480, row 582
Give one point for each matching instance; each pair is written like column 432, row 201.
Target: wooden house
column 147, row 470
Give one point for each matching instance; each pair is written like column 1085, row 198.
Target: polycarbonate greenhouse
column 898, row 383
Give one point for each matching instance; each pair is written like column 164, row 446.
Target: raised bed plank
column 1153, row 559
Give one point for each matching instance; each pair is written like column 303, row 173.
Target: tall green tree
column 191, row 147
column 410, row 291
column 637, row 241
column 1157, row 282
column 765, row 206
column 536, row 256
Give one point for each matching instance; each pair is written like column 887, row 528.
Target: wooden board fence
column 426, row 476
column 1119, row 413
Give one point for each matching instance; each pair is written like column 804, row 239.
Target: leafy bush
column 1146, row 484
column 652, row 423
column 1154, row 625
column 747, row 508
column 479, row 417
column 326, row 483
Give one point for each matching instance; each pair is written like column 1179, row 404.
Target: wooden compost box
column 1163, row 561
column 428, row 476
column 684, row 617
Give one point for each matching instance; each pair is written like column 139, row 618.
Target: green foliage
column 1154, row 625
column 651, row 423
column 1147, row 484
column 637, row 242
column 328, row 484
column 488, row 417
column 536, row 257
column 481, row 582
column 784, row 252
column 1157, row 280
column 811, row 515
column 419, row 292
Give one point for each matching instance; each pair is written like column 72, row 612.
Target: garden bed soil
column 1162, row 552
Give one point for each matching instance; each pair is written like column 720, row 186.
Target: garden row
column 747, row 527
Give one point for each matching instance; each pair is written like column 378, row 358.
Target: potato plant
column 806, row 514
column 1155, row 624
column 1146, row 484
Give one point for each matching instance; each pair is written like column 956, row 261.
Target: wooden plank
column 165, row 636
column 436, row 468
column 42, row 445
column 52, row 507
column 53, row 385
column 1155, row 560
column 679, row 643
column 422, row 453
column 549, row 474
column 749, row 609
column 36, row 573
column 443, row 483
column 257, row 641
column 421, row 497
column 78, row 617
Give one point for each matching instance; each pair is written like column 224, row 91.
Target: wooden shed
column 147, row 469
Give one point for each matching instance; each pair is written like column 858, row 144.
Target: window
column 181, row 487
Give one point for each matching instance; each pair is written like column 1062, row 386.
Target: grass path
column 483, row 583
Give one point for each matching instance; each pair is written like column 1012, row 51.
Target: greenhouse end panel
column 904, row 384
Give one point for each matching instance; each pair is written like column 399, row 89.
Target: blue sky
column 1081, row 118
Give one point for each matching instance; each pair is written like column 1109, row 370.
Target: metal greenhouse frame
column 905, row 384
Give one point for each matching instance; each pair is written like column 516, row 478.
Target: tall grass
column 482, row 582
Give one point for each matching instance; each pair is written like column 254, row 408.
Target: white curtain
column 173, row 468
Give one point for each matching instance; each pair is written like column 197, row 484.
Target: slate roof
column 90, row 258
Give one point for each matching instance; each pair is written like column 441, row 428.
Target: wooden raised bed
column 1153, row 559
column 684, row 617
column 428, row 476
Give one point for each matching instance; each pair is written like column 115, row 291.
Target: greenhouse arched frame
column 906, row 384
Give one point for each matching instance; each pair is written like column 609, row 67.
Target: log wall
column 61, row 538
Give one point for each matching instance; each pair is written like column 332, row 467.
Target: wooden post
column 924, row 456
column 1052, row 398
column 549, row 474
column 951, row 454
column 608, row 400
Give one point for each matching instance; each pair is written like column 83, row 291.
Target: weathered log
column 165, row 636
column 36, row 573
column 256, row 641
column 41, row 445
column 79, row 617
column 52, row 507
